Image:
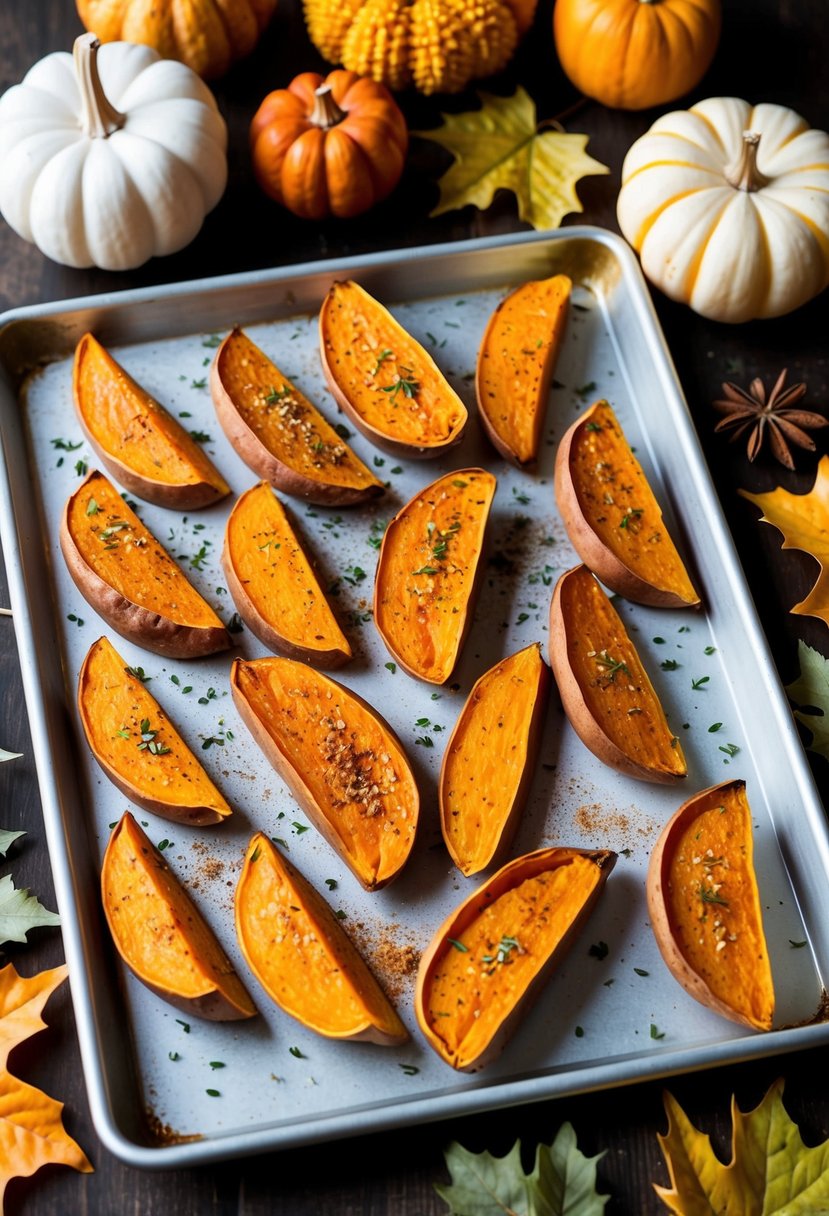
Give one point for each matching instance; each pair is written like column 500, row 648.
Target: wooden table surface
column 771, row 50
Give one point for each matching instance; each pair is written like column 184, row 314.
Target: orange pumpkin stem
column 744, row 175
column 100, row 118
column 326, row 113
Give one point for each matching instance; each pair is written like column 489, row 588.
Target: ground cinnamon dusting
column 161, row 1133
column 394, row 963
column 601, row 822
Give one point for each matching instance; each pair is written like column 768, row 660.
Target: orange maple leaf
column 31, row 1129
column 804, row 521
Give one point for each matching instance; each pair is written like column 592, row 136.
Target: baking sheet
column 601, row 1021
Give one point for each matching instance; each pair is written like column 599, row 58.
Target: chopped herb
column 92, row 507
column 65, row 445
column 422, row 722
column 453, row 941
column 460, row 484
column 610, row 666
column 381, row 359
column 522, row 617
column 625, row 852
column 659, row 641
column 78, row 620
column 656, row 1034
column 585, row 389
column 698, row 684
column 599, row 950
column 256, row 854
column 213, row 1093
column 392, row 667
column 184, row 414
column 411, row 1070
column 406, row 382
column 299, row 828
column 235, row 625
column 163, row 844
column 714, row 727
column 199, row 383
column 592, row 426
column 185, row 1026
column 641, row 971
column 730, row 749
column 342, row 431
column 149, row 742
column 397, row 469
column 709, row 896
column 424, row 741
column 331, row 883
column 669, row 665
column 340, row 914
column 210, row 695
column 296, row 1052
column 212, row 342
column 200, row 436
column 173, row 1055
column 378, row 462
column 277, row 394
column 631, row 518
column 214, row 1064
column 197, row 560
column 355, row 575
column 796, row 945
column 520, row 496
column 710, row 650
column 81, row 468
column 579, row 1032
column 139, row 673
column 505, row 946
column 427, row 570
column 211, row 739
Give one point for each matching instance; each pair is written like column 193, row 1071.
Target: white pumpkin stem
column 326, row 113
column 100, row 118
column 744, row 175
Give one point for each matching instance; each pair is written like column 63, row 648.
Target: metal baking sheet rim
column 45, row 721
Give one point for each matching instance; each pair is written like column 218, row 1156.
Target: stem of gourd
column 100, row 118
column 326, row 113
column 744, row 175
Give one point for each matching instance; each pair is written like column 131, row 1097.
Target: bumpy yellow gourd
column 438, row 46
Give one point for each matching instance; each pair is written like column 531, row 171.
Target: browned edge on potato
column 384, row 380
column 489, row 762
column 341, row 761
column 160, row 933
column 302, row 955
column 139, row 442
column 129, row 578
column 137, row 745
column 280, row 434
column 705, row 908
column 273, row 585
column 490, row 958
column 612, row 516
column 429, row 570
column 605, row 690
column 515, row 366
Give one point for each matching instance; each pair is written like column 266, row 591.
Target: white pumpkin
column 727, row 205
column 110, row 155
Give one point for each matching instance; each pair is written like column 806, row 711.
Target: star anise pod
column 757, row 417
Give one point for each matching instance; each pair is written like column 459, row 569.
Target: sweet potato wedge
column 279, row 433
column 428, row 572
column 516, row 361
column 490, row 958
column 344, row 765
column 160, row 933
column 142, row 445
column 387, row 384
column 605, row 690
column 137, row 746
column 303, row 957
column 274, row 586
column 130, row 579
column 612, row 517
column 705, row 907
column 490, row 758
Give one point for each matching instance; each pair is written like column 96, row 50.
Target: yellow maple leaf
column 31, row 1128
column 804, row 521
column 771, row 1172
column 500, row 147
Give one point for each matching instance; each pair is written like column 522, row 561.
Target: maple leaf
column 500, row 147
column 804, row 521
column 31, row 1129
column 811, row 688
column 20, row 912
column 771, row 1172
column 562, row 1180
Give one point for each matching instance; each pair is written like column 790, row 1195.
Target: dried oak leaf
column 804, row 521
column 31, row 1130
column 771, row 1172
column 501, row 147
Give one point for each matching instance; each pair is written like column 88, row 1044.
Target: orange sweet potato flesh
column 488, row 961
column 274, row 586
column 705, row 908
column 428, row 571
column 516, row 361
column 160, row 933
column 142, row 445
column 490, row 758
column 279, row 433
column 605, row 690
column 342, row 762
column 137, row 745
column 386, row 382
column 130, row 579
column 612, row 516
column 303, row 957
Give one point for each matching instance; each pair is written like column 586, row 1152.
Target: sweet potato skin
column 508, row 877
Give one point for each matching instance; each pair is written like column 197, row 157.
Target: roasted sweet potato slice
column 705, row 908
column 605, row 690
column 490, row 758
column 428, row 572
column 160, row 933
column 303, row 957
column 137, row 745
column 143, row 446
column 274, row 586
column 279, row 433
column 344, row 765
column 390, row 387
column 516, row 361
column 130, row 579
column 612, row 517
column 492, row 955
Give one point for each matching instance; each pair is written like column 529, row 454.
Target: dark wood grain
column 772, row 50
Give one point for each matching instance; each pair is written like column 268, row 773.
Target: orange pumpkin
column 333, row 146
column 208, row 36
column 632, row 54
